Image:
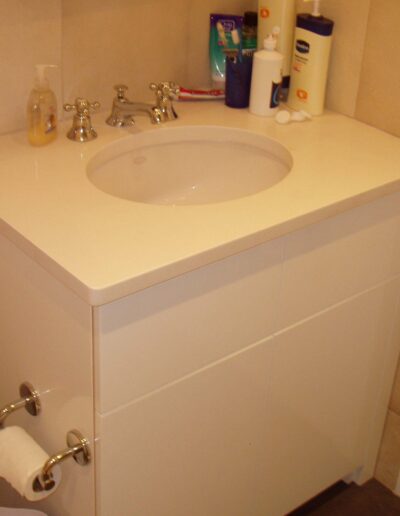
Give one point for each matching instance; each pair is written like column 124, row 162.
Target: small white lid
column 300, row 116
column 270, row 43
column 283, row 116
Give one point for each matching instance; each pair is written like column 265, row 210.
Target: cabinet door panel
column 199, row 447
column 328, row 392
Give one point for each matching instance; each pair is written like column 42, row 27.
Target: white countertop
column 104, row 248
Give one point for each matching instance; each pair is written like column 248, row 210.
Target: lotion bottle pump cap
column 41, row 81
column 316, row 7
column 271, row 41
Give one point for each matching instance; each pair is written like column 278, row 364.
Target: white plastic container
column 278, row 13
column 42, row 110
column 312, row 45
column 266, row 79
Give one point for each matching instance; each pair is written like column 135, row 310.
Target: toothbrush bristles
column 235, row 36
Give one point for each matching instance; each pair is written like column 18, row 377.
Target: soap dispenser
column 312, row 45
column 42, row 110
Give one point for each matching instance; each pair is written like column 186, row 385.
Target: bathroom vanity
column 223, row 358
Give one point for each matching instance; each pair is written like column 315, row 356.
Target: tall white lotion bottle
column 278, row 13
column 310, row 62
column 266, row 79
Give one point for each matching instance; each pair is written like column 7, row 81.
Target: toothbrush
column 199, row 94
column 221, row 34
column 237, row 40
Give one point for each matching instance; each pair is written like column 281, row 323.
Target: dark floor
column 371, row 499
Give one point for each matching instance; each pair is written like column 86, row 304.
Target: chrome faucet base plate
column 81, row 134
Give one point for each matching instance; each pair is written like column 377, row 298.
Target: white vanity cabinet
column 251, row 384
column 243, row 387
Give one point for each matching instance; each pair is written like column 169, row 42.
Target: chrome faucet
column 123, row 110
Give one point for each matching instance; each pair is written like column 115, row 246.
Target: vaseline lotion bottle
column 42, row 110
column 312, row 45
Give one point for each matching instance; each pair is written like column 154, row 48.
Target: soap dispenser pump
column 42, row 109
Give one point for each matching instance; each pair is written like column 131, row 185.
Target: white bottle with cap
column 42, row 110
column 278, row 13
column 266, row 79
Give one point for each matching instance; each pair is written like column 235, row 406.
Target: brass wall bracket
column 78, row 448
column 29, row 400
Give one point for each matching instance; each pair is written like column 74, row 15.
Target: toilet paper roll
column 22, row 460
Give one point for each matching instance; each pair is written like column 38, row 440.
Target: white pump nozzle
column 271, row 41
column 41, row 79
column 316, row 7
column 276, row 31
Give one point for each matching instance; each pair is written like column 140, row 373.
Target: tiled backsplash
column 378, row 103
column 98, row 43
column 30, row 33
column 350, row 19
column 388, row 465
column 106, row 42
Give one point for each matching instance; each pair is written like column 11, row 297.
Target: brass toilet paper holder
column 77, row 444
column 78, row 448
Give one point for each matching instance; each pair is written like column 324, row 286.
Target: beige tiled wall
column 378, row 101
column 350, row 19
column 395, row 399
column 30, row 33
column 122, row 41
column 388, row 464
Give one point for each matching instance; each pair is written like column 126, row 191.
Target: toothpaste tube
column 186, row 94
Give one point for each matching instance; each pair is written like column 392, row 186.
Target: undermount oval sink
column 189, row 165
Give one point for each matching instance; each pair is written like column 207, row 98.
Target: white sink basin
column 189, row 165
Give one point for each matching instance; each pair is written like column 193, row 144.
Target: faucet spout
column 123, row 112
